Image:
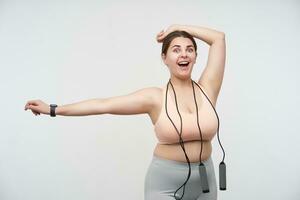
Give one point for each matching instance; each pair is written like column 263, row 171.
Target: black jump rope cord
column 217, row 118
column 180, row 133
column 180, row 139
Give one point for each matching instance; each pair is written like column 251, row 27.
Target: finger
column 34, row 112
column 160, row 38
column 160, row 33
column 33, row 102
column 26, row 106
column 29, row 106
column 30, row 102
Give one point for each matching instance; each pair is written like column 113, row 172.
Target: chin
column 184, row 76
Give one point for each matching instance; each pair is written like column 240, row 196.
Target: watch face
column 53, row 105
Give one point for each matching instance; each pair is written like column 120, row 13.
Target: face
column 180, row 57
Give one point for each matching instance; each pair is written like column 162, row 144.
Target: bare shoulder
column 154, row 93
column 156, row 90
column 152, row 90
column 151, row 96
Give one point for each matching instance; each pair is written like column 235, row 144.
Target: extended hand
column 37, row 107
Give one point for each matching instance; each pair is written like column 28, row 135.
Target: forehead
column 181, row 41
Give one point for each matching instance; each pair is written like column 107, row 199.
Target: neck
column 181, row 83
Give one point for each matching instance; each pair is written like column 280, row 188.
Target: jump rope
column 202, row 169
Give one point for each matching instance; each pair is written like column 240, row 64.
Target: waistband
column 166, row 161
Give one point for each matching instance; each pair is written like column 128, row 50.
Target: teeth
column 183, row 63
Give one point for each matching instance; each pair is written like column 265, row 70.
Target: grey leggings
column 165, row 176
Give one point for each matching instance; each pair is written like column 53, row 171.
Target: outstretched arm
column 137, row 102
column 212, row 75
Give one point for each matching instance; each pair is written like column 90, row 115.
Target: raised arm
column 138, row 102
column 212, row 76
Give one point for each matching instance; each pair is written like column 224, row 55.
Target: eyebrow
column 176, row 45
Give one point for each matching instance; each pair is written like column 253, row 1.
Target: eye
column 176, row 50
column 190, row 50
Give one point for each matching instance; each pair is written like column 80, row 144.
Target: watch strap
column 52, row 110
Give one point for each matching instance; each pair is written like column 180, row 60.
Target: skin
column 182, row 49
column 181, row 81
column 148, row 100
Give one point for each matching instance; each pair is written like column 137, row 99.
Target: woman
column 182, row 112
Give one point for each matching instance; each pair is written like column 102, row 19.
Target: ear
column 163, row 57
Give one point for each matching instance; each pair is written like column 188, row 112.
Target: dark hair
column 171, row 36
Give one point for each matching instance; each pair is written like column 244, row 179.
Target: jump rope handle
column 222, row 176
column 203, row 178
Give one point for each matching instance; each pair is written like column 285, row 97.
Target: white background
column 67, row 51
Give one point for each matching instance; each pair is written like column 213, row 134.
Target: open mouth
column 183, row 64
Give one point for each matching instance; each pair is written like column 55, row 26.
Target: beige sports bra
column 208, row 121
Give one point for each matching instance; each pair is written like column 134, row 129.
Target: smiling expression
column 180, row 57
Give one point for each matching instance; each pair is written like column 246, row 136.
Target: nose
column 183, row 54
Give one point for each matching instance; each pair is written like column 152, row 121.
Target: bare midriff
column 192, row 148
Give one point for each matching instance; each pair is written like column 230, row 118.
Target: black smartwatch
column 52, row 110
